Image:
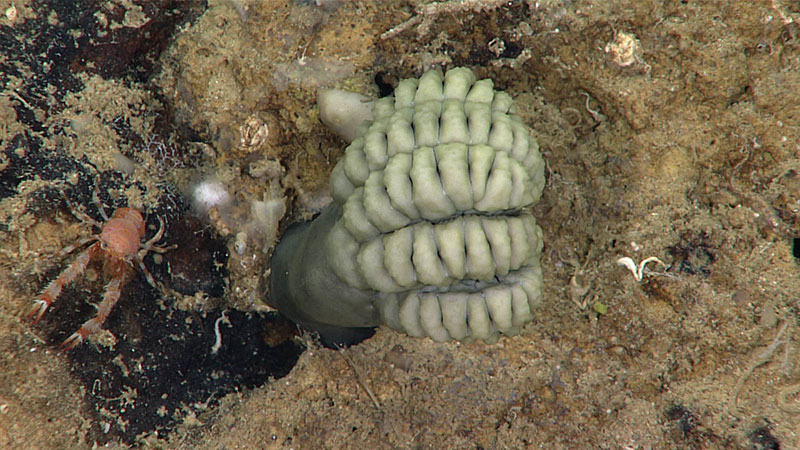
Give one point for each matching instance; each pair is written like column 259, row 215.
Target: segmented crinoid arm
column 430, row 231
column 435, row 197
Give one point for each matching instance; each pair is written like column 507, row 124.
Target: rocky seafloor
column 669, row 129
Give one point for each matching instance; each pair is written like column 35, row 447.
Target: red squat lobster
column 117, row 245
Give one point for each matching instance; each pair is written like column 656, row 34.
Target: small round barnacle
column 430, row 231
column 253, row 133
column 623, row 49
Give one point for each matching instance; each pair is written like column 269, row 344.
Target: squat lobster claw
column 118, row 244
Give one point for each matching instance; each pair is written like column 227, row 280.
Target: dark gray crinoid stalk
column 430, row 231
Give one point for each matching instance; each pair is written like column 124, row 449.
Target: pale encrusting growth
column 429, row 231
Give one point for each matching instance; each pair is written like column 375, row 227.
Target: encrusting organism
column 118, row 245
column 430, row 231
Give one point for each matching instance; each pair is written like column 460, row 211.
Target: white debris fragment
column 637, row 271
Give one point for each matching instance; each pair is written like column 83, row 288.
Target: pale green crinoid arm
column 430, row 231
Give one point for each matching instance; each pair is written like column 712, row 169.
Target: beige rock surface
column 670, row 129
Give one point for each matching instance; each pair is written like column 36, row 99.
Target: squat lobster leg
column 52, row 291
column 149, row 247
column 93, row 325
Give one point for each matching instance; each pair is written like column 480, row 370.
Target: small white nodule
column 208, row 194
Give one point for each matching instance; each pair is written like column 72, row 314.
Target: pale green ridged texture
column 436, row 193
